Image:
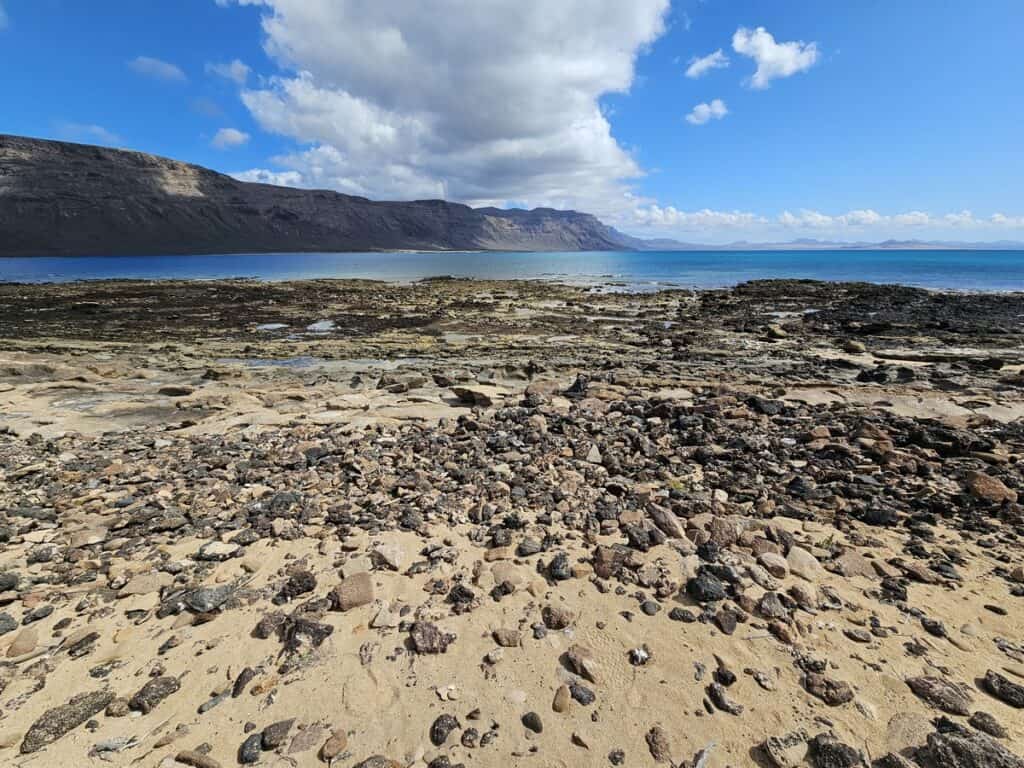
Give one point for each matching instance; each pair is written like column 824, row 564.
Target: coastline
column 998, row 271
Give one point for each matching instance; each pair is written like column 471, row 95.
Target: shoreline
column 990, row 271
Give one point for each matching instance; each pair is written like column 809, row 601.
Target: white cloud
column 157, row 68
column 282, row 179
column 228, row 138
column 1009, row 222
column 669, row 218
column 88, row 133
column 494, row 104
column 872, row 220
column 960, row 219
column 912, row 219
column 702, row 113
column 774, row 60
column 235, row 70
column 3, row 18
column 708, row 225
column 701, row 66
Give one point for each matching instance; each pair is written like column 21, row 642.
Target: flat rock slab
column 60, row 720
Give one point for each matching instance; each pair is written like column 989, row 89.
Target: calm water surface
column 960, row 270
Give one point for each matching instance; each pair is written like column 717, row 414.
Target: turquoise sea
column 651, row 270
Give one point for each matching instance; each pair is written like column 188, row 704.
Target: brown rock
column 196, row 759
column 853, row 564
column 355, row 591
column 988, row 488
column 507, row 638
column 562, row 699
column 557, row 617
column 832, row 692
column 667, row 521
column 334, row 746
column 775, row 564
column 658, row 744
column 581, row 661
column 24, row 642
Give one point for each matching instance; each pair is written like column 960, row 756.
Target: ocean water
column 957, row 270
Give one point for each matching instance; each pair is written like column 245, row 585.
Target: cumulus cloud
column 157, row 68
column 708, row 225
column 228, row 138
column 494, row 104
column 669, row 218
column 280, row 179
column 88, row 133
column 870, row 219
column 702, row 113
column 701, row 66
column 235, row 70
column 774, row 60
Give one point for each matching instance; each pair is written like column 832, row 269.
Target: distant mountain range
column 808, row 244
column 58, row 198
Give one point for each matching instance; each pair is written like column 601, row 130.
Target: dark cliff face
column 58, row 198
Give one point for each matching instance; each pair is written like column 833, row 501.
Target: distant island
column 64, row 199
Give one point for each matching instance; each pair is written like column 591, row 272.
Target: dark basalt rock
column 152, row 693
column 442, row 728
column 1004, row 689
column 941, row 694
column 967, row 749
column 58, row 721
column 706, row 588
column 828, row 752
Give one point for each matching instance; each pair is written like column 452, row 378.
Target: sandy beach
column 509, row 524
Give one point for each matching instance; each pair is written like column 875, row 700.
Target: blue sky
column 849, row 121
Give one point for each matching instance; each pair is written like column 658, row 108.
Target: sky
column 709, row 121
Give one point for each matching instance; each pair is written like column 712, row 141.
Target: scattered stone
column 986, row 723
column 442, row 728
column 58, row 721
column 1004, row 689
column 152, row 693
column 378, row 761
column 533, row 722
column 508, row 638
column 832, row 692
column 196, row 759
column 658, row 744
column 24, row 643
column 208, row 599
column 581, row 661
column 788, row 751
column 353, row 592
column 706, row 588
column 941, row 694
column 561, row 701
column 251, row 749
column 969, row 749
column 828, row 752
column 334, row 746
column 988, row 488
column 556, row 617
column 427, row 638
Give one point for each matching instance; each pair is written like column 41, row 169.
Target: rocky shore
column 462, row 523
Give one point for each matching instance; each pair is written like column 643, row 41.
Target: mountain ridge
column 66, row 199
column 59, row 198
